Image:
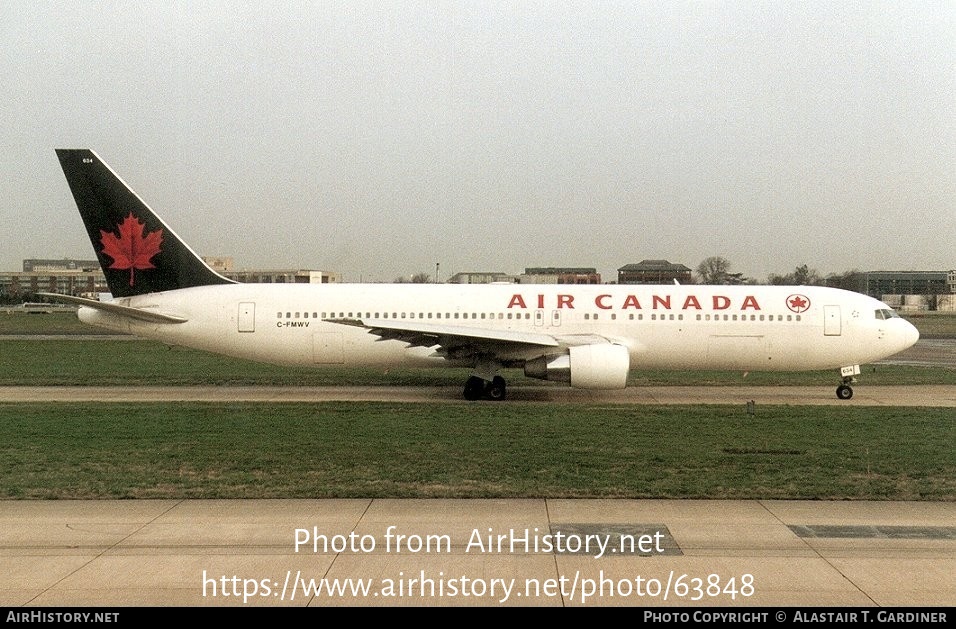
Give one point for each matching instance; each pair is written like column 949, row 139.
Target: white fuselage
column 663, row 327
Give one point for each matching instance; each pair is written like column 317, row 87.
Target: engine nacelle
column 602, row 366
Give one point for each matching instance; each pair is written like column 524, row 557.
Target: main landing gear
column 478, row 388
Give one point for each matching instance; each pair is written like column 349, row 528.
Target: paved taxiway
column 445, row 552
column 918, row 395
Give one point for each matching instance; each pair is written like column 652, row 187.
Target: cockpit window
column 887, row 313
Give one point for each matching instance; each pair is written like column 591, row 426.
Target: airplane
column 586, row 336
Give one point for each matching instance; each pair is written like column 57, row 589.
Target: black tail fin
column 139, row 253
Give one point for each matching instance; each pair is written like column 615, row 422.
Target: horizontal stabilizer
column 124, row 311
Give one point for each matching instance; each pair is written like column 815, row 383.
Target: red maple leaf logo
column 798, row 303
column 131, row 249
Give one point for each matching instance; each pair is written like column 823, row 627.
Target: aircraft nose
column 910, row 334
column 904, row 334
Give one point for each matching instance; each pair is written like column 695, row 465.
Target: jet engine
column 602, row 366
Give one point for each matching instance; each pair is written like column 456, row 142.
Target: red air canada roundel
column 798, row 303
column 132, row 249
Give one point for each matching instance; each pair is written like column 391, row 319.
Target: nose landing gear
column 845, row 391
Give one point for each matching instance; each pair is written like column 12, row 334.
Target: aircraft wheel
column 474, row 388
column 844, row 392
column 496, row 390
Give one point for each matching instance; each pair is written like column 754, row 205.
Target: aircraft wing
column 455, row 341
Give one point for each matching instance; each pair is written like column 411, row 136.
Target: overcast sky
column 378, row 139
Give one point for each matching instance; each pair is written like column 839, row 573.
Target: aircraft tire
column 844, row 392
column 474, row 388
column 497, row 389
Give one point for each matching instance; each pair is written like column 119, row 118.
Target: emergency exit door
column 247, row 316
column 831, row 321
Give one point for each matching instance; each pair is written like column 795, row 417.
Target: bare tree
column 712, row 270
column 803, row 275
column 418, row 278
column 716, row 270
column 847, row 280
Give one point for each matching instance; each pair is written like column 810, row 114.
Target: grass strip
column 460, row 450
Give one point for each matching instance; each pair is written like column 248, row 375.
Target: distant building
column 654, row 272
column 224, row 266
column 220, row 264
column 85, row 277
column 32, row 265
column 62, row 275
column 879, row 283
column 15, row 286
column 920, row 303
column 280, row 276
column 480, row 277
column 558, row 275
